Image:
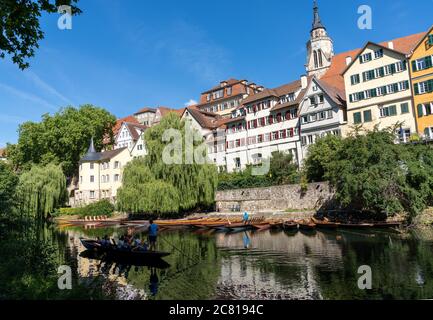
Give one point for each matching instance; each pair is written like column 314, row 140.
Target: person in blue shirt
column 245, row 218
column 153, row 234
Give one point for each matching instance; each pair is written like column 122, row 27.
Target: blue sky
column 124, row 54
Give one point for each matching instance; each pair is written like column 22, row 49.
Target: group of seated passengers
column 125, row 243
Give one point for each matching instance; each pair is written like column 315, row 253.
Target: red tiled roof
column 146, row 109
column 132, row 127
column 338, row 64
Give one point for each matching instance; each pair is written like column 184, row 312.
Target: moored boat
column 290, row 226
column 323, row 224
column 122, row 254
column 306, row 225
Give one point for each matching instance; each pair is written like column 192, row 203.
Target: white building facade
column 322, row 112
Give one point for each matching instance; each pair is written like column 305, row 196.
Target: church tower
column 320, row 48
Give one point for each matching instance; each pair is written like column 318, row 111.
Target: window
column 403, row 135
column 365, row 57
column 329, row 114
column 428, row 132
column 423, row 63
column 423, row 87
column 320, row 58
column 237, row 163
column 92, row 165
column 229, row 91
column 367, row 116
column 321, row 98
column 404, row 108
column 357, row 118
column 322, row 115
column 368, row 75
column 425, row 109
column 116, row 165
column 304, row 119
column 92, row 194
column 355, row 79
column 388, row 111
column 310, row 139
column 140, row 147
column 378, row 54
column 92, row 178
column 316, row 65
column 304, row 141
column 312, row 117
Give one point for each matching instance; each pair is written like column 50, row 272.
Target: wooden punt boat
column 387, row 224
column 261, row 226
column 238, row 226
column 290, row 226
column 112, row 251
column 306, row 225
column 276, row 224
column 323, row 224
column 356, row 225
column 157, row 263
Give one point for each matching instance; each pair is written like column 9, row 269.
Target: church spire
column 317, row 23
column 91, row 147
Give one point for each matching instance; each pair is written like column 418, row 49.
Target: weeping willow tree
column 195, row 179
column 41, row 190
column 154, row 185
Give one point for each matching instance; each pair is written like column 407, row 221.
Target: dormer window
column 365, row 57
column 208, row 97
column 229, row 91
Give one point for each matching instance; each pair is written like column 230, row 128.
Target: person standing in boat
column 246, row 218
column 153, row 234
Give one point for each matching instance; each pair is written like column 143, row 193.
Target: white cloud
column 27, row 96
column 191, row 102
column 48, row 89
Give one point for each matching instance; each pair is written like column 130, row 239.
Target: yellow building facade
column 421, row 71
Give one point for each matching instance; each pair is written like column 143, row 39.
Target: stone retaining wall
column 278, row 198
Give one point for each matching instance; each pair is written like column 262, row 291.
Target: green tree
column 20, row 30
column 41, row 190
column 150, row 185
column 371, row 173
column 8, row 183
column 196, row 183
column 320, row 156
column 61, row 138
column 282, row 169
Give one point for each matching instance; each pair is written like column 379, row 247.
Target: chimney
column 260, row 88
column 391, row 45
column 348, row 60
column 223, row 83
column 304, row 81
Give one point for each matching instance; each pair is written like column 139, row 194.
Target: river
column 266, row 265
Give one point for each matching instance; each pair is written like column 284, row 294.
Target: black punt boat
column 122, row 254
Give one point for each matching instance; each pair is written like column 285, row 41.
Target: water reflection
column 265, row 265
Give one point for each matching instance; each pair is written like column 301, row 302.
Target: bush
column 282, row 171
column 100, row 208
column 372, row 174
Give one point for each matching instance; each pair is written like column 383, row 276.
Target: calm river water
column 262, row 265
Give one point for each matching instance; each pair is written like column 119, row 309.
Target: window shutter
column 428, row 62
column 414, row 69
column 416, row 88
column 420, row 110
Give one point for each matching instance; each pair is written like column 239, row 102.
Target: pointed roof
column 317, row 23
column 91, row 154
